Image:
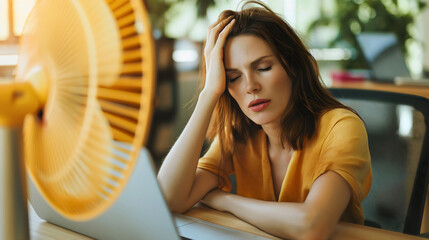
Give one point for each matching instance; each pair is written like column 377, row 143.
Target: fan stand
column 13, row 201
column 17, row 99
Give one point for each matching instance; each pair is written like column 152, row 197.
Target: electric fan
column 82, row 101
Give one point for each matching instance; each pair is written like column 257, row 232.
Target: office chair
column 398, row 135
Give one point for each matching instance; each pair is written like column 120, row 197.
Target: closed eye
column 233, row 79
column 264, row 69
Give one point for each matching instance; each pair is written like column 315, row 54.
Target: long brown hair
column 309, row 97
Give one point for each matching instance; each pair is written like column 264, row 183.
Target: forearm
column 182, row 185
column 315, row 218
column 282, row 219
column 177, row 173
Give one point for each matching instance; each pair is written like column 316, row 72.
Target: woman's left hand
column 216, row 199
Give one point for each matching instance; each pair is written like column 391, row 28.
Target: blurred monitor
column 384, row 56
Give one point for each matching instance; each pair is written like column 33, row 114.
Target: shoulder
column 337, row 125
column 339, row 117
column 335, row 115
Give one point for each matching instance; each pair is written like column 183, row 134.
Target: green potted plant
column 158, row 10
column 354, row 16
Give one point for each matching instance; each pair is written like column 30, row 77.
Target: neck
column 273, row 137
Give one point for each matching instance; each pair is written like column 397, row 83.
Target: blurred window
column 4, row 20
column 13, row 14
column 22, row 9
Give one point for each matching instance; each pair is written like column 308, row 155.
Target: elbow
column 313, row 227
column 176, row 205
column 173, row 203
column 314, row 234
column 176, row 208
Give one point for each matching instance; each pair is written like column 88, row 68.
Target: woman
column 300, row 158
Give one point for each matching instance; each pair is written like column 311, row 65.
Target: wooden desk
column 41, row 230
column 414, row 90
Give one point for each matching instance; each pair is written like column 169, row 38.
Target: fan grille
column 96, row 118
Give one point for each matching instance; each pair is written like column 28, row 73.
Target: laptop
column 140, row 212
column 386, row 60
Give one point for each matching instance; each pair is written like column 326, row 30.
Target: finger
column 214, row 30
column 224, row 34
column 220, row 24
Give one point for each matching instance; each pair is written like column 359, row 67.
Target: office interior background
column 179, row 29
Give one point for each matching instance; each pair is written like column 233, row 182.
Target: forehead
column 244, row 49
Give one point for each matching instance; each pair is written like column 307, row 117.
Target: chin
column 261, row 121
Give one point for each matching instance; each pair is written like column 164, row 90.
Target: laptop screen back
column 384, row 56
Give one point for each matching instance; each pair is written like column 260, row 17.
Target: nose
column 252, row 84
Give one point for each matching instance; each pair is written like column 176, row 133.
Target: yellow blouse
column 340, row 144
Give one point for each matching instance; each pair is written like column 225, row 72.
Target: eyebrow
column 251, row 64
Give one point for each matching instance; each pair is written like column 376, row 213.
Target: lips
column 259, row 104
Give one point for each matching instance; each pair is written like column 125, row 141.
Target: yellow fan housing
column 91, row 63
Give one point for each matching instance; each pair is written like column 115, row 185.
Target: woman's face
column 256, row 79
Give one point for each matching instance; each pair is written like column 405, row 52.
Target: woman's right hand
column 213, row 54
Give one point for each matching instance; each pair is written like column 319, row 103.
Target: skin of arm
column 181, row 182
column 315, row 218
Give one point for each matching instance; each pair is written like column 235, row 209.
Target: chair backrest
column 398, row 135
